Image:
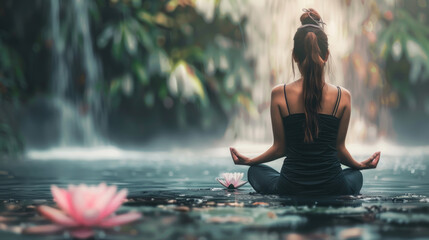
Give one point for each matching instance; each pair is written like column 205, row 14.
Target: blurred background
column 157, row 73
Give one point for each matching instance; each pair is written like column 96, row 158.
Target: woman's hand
column 371, row 162
column 238, row 158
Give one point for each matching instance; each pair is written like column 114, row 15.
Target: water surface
column 180, row 199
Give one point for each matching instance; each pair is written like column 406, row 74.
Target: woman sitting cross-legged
column 310, row 118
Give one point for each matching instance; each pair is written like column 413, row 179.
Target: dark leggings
column 265, row 179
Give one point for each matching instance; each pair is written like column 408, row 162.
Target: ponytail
column 312, row 69
column 309, row 50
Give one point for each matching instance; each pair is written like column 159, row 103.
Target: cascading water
column 72, row 44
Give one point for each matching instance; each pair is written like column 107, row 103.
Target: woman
column 310, row 118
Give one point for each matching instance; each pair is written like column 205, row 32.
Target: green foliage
column 163, row 63
column 10, row 143
column 403, row 46
column 11, row 72
column 405, row 36
column 166, row 51
column 12, row 83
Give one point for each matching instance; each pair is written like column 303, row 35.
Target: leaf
column 171, row 5
column 163, row 20
column 105, row 36
column 145, row 17
column 130, row 41
column 115, row 86
column 198, row 86
column 385, row 41
column 185, row 81
column 411, row 22
column 117, row 44
column 145, row 39
column 248, row 104
column 162, row 93
column 230, row 83
column 159, row 63
column 140, row 72
column 149, row 99
column 137, row 3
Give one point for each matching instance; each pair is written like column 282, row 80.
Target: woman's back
column 294, row 94
column 311, row 163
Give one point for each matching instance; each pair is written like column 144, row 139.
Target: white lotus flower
column 231, row 180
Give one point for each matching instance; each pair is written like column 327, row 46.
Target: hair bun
column 310, row 16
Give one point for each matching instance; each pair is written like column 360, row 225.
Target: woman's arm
column 277, row 150
column 343, row 153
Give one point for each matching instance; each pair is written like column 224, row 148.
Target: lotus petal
column 233, row 179
column 120, row 219
column 43, row 229
column 227, row 178
column 103, row 201
column 240, row 183
column 82, row 233
column 114, row 204
column 90, row 216
column 221, row 181
column 62, row 198
column 78, row 202
column 237, row 178
column 57, row 216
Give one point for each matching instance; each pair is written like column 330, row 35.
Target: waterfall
column 80, row 113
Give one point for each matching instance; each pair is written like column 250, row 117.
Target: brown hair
column 309, row 51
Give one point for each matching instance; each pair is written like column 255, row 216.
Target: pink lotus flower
column 84, row 208
column 231, row 180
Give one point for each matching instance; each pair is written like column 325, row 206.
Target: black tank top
column 312, row 164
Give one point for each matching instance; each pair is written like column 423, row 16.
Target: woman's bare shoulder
column 288, row 86
column 345, row 93
column 277, row 90
column 292, row 87
column 346, row 99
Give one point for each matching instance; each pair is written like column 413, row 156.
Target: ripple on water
column 404, row 218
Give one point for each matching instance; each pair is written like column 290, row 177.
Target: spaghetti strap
column 337, row 103
column 287, row 105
